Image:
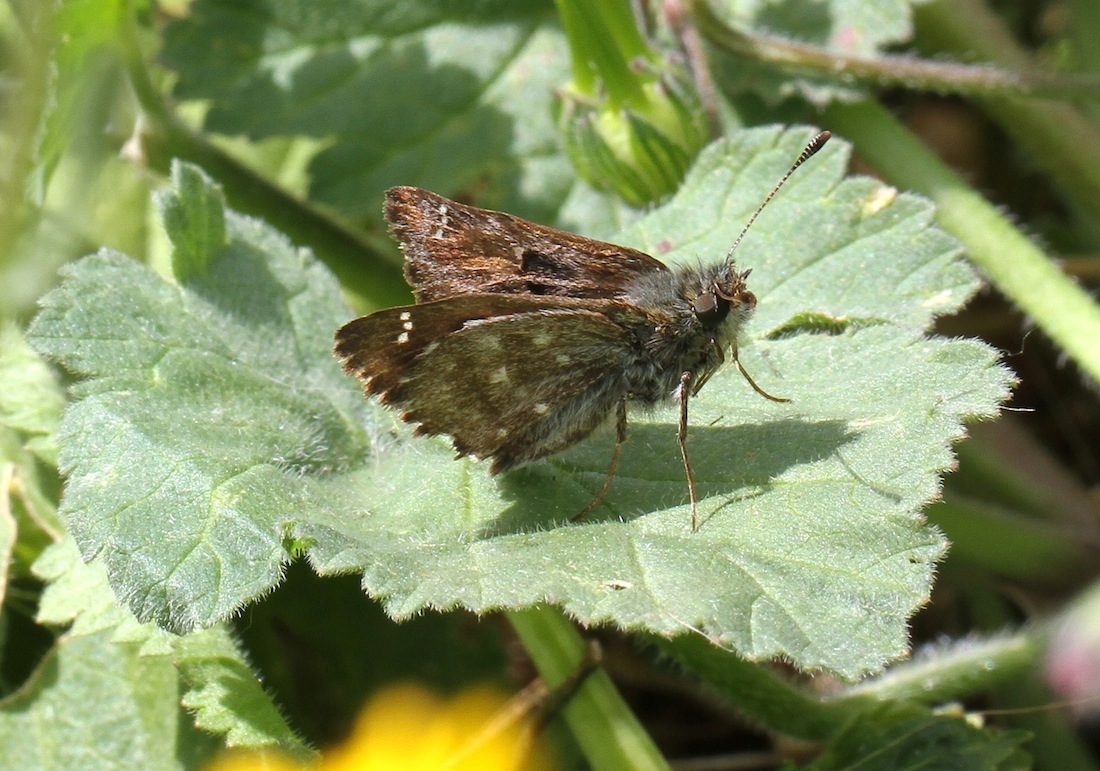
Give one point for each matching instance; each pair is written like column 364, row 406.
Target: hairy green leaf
column 30, row 398
column 31, row 401
column 215, row 436
column 93, row 703
column 901, row 737
column 439, row 95
column 204, row 672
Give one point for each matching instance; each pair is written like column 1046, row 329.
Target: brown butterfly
column 524, row 339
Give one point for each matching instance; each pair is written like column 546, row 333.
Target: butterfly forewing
column 379, row 348
column 453, row 249
column 518, row 387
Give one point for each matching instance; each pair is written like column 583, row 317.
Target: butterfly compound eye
column 748, row 299
column 710, row 308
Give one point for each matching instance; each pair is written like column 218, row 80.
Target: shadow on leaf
column 732, row 462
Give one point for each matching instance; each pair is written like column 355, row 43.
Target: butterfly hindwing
column 379, row 348
column 453, row 249
column 517, row 387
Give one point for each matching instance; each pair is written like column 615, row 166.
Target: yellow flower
column 407, row 727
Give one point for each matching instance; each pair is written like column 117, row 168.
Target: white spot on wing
column 541, row 339
column 405, row 316
column 403, row 338
column 500, row 375
column 407, row 326
column 541, row 408
column 443, row 220
column 488, row 342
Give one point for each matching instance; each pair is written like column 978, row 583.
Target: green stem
column 951, row 673
column 1017, row 267
column 1063, row 141
column 26, row 108
column 1053, row 740
column 584, row 72
column 798, row 58
column 362, row 268
column 756, row 691
column 603, row 41
column 618, row 20
column 607, row 731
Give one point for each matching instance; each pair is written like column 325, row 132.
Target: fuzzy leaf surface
column 203, row 672
column 840, row 27
column 439, row 95
column 215, row 436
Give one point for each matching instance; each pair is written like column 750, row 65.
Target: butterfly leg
column 620, row 437
column 681, row 437
column 755, row 387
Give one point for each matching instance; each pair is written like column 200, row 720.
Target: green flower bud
column 639, row 149
column 630, row 124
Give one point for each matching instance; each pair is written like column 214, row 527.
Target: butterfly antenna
column 815, row 144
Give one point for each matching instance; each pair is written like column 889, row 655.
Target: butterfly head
column 726, row 292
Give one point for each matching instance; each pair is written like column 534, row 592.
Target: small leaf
column 203, row 671
column 30, row 397
column 31, row 401
column 226, row 696
column 896, row 737
column 194, row 216
column 93, row 703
